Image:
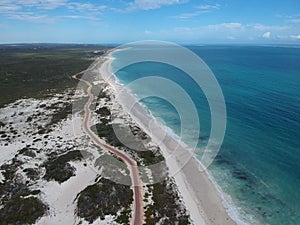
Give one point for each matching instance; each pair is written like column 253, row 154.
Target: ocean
column 258, row 165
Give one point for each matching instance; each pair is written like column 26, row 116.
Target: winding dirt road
column 138, row 209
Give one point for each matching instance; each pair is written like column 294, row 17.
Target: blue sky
column 121, row 21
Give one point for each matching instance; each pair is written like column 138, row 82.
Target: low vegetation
column 19, row 210
column 37, row 70
column 105, row 198
column 161, row 213
column 19, row 206
column 105, row 130
column 58, row 167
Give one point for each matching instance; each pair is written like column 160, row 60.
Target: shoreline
column 201, row 196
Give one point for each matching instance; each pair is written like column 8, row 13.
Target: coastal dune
column 199, row 194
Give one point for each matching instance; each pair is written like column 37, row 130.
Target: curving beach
column 199, row 194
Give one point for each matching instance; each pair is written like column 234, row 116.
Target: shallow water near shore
column 258, row 163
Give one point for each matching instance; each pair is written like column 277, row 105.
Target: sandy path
column 138, row 209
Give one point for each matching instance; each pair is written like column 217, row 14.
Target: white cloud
column 30, row 17
column 294, row 21
column 266, row 35
column 27, row 10
column 41, row 4
column 228, row 29
column 225, row 26
column 152, row 4
column 76, row 6
column 210, row 33
column 36, row 10
column 239, row 27
column 186, row 15
column 262, row 27
column 295, row 18
column 295, row 37
column 208, row 7
column 81, row 17
column 8, row 8
column 234, row 31
column 201, row 9
column 50, row 4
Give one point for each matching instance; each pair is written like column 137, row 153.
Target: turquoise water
column 258, row 164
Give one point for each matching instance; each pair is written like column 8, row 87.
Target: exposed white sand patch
column 26, row 117
column 13, row 122
column 61, row 198
column 1, row 177
column 9, row 151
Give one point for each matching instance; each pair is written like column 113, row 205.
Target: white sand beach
column 198, row 192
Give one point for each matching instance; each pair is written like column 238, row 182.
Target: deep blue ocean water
column 258, row 165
